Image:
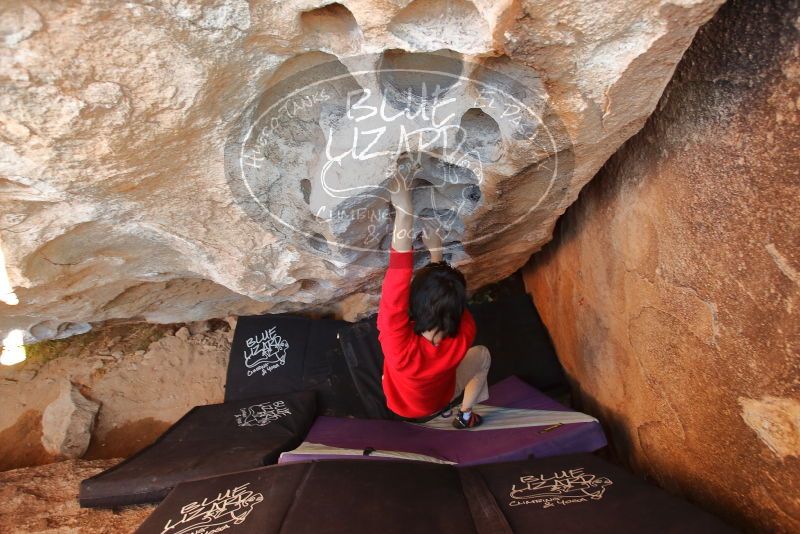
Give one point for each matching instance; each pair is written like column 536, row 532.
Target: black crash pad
column 519, row 343
column 207, row 441
column 273, row 354
column 364, row 357
column 567, row 494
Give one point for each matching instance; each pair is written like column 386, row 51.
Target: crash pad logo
column 265, row 352
column 566, row 487
column 262, row 414
column 210, row 516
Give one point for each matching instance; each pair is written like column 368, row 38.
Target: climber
column 425, row 329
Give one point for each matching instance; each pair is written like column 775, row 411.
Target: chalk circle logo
column 561, row 488
column 318, row 156
column 217, row 514
column 265, row 352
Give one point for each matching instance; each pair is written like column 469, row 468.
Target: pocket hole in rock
column 480, row 135
column 329, row 20
column 408, row 79
column 319, row 243
column 305, row 188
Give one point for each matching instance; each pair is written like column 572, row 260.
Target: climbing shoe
column 471, row 422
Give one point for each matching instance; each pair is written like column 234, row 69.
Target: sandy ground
column 44, row 499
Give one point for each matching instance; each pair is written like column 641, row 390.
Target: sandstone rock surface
column 45, row 500
column 123, row 126
column 67, row 423
column 144, row 377
column 671, row 288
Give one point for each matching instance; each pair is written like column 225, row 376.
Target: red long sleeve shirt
column 418, row 377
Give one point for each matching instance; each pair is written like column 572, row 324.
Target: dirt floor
column 143, row 376
column 45, row 499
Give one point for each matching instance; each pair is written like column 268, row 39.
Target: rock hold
column 67, row 423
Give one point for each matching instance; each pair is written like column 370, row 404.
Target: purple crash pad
column 458, row 446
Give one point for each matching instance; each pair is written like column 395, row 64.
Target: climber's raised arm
column 402, row 235
column 393, row 318
column 432, row 240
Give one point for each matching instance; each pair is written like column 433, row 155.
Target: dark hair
column 438, row 298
